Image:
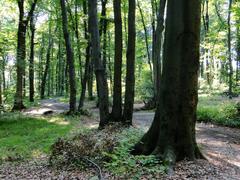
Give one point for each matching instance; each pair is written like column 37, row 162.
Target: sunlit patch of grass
column 25, row 137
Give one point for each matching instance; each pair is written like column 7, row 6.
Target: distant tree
column 130, row 76
column 47, row 64
column 21, row 51
column 87, row 59
column 230, row 81
column 172, row 133
column 98, row 63
column 70, row 59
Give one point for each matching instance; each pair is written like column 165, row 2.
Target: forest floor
column 220, row 145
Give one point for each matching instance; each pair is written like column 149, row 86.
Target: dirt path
column 220, row 145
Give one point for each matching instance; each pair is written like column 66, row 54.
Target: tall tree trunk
column 70, row 59
column 87, row 60
column 78, row 40
column 1, row 91
column 238, row 52
column 117, row 87
column 103, row 32
column 172, row 133
column 130, row 76
column 145, row 35
column 90, row 80
column 3, row 73
column 98, row 64
column 110, row 64
column 31, row 61
column 40, row 63
column 229, row 50
column 21, row 52
column 47, row 65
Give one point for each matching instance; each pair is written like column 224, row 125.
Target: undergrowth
column 109, row 148
column 123, row 164
column 218, row 110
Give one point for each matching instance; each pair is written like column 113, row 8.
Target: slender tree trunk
column 172, row 133
column 1, row 92
column 145, row 35
column 70, row 59
column 31, row 61
column 238, row 53
column 47, row 65
column 117, row 87
column 229, row 49
column 3, row 73
column 78, row 41
column 103, row 32
column 87, row 60
column 98, row 64
column 40, row 63
column 90, row 81
column 21, row 53
column 110, row 64
column 130, row 76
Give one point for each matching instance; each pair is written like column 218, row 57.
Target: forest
column 120, row 89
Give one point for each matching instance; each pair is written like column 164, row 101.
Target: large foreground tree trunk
column 130, row 76
column 172, row 133
column 21, row 52
column 98, row 63
column 70, row 59
column 157, row 49
column 117, row 87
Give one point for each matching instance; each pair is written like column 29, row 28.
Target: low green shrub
column 222, row 114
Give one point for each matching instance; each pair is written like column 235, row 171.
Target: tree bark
column 47, row 65
column 21, row 53
column 116, row 114
column 98, row 64
column 238, row 52
column 229, row 50
column 70, row 59
column 130, row 76
column 87, row 60
column 172, row 133
column 1, row 91
column 31, row 61
column 157, row 49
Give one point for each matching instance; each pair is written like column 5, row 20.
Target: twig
column 94, row 164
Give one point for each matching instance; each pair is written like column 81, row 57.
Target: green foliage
column 26, row 137
column 144, row 88
column 123, row 164
column 214, row 111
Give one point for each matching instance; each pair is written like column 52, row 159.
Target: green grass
column 24, row 137
column 218, row 110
